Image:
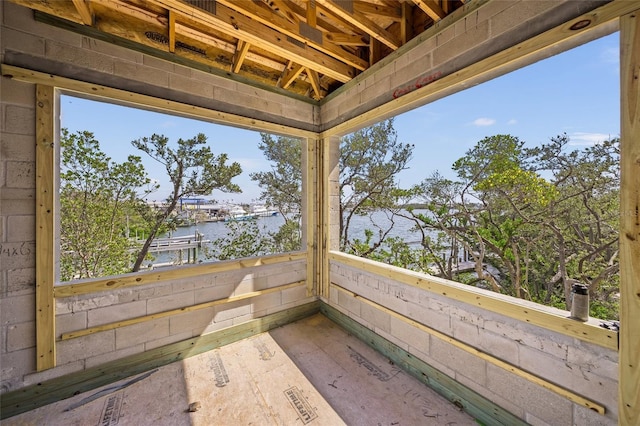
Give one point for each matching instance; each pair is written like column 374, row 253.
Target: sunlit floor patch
column 308, row 372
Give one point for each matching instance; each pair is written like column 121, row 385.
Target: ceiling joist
column 307, row 47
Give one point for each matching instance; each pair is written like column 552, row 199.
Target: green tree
column 192, row 168
column 282, row 187
column 528, row 235
column 99, row 200
column 370, row 160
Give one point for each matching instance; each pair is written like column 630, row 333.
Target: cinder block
column 467, row 333
column 73, row 321
column 295, row 294
column 17, row 309
column 232, row 310
column 409, row 334
column 584, row 416
column 17, row 93
column 189, row 85
column 15, row 364
column 597, row 360
column 83, row 58
column 111, row 49
column 15, row 147
column 213, row 293
column 137, row 334
column 21, row 174
column 11, row 204
column 22, row 41
column 460, row 361
column 169, row 302
column 58, row 371
column 433, row 319
column 116, row 313
column 266, row 301
column 349, row 303
column 250, row 284
column 174, row 338
column 85, row 347
column 192, row 322
column 217, row 325
column 21, row 336
column 500, row 347
column 117, row 354
column 531, row 336
column 496, row 399
column 451, row 49
column 18, row 255
column 151, row 76
column 379, row 319
column 20, row 282
column 21, row 228
column 20, row 120
column 544, row 404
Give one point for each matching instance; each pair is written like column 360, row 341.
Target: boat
column 238, row 213
column 260, row 210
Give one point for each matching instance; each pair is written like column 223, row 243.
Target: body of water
column 216, row 230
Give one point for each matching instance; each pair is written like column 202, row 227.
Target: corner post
column 629, row 360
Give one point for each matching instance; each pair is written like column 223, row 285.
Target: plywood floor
column 308, row 372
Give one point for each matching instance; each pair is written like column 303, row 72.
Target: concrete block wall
column 447, row 48
column 586, row 369
column 81, row 312
column 17, row 229
column 41, row 47
column 27, row 43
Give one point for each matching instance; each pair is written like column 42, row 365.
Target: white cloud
column 483, row 121
column 512, row 122
column 586, row 139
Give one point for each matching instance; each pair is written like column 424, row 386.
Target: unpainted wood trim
column 164, row 314
column 629, row 366
column 493, row 302
column 149, row 277
column 109, row 94
column 310, row 170
column 45, row 226
column 565, row 393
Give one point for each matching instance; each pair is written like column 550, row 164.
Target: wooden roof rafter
column 361, row 21
column 309, row 47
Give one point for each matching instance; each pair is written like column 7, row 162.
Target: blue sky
column 576, row 92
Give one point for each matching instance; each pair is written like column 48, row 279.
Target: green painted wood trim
column 483, row 410
column 40, row 394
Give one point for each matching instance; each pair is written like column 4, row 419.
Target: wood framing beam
column 238, row 58
column 172, row 31
column 345, row 39
column 84, row 10
column 229, row 21
column 290, row 75
column 431, row 8
column 406, row 23
column 267, row 17
column 360, row 21
column 45, row 226
column 312, row 13
column 629, row 361
column 315, row 83
column 486, row 68
column 393, row 13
